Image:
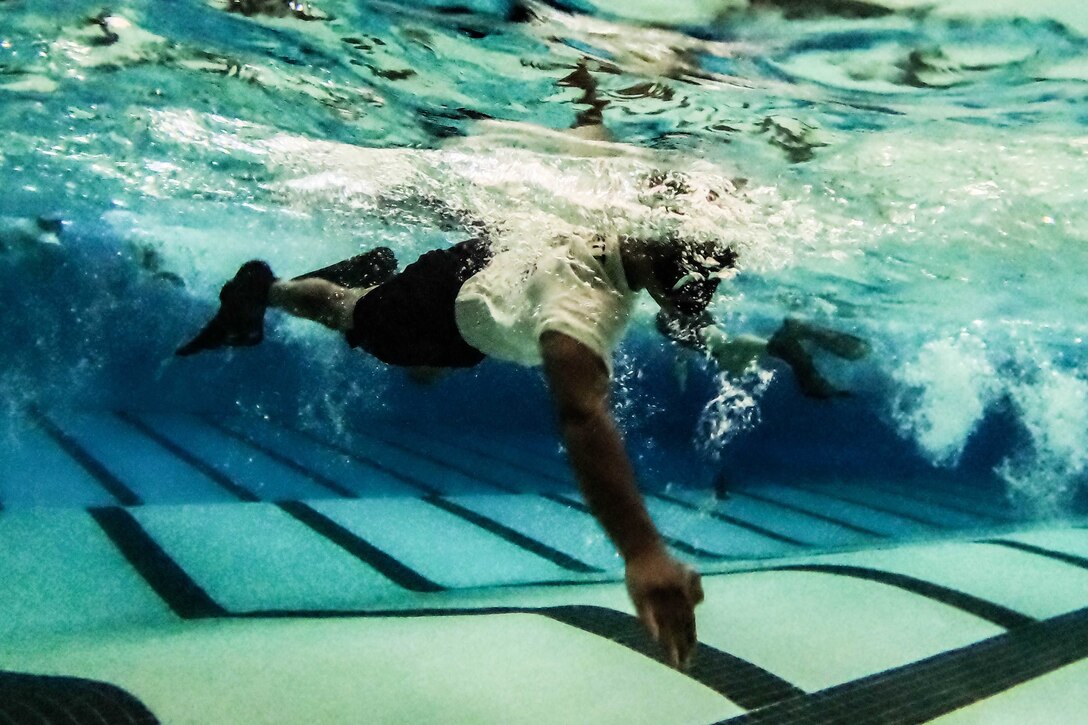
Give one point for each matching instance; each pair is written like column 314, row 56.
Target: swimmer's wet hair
column 692, row 272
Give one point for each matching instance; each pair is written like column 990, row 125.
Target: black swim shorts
column 409, row 320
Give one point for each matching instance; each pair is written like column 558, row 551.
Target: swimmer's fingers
column 665, row 593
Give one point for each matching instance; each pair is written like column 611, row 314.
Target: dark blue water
column 910, row 175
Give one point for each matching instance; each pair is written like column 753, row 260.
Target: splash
column 945, row 392
column 1053, row 408
column 732, row 411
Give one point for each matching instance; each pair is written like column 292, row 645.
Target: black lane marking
column 807, row 512
column 405, row 478
column 754, row 528
column 681, row 545
column 742, row 682
column 678, row 544
column 468, row 473
column 924, row 690
column 514, row 537
column 102, row 475
column 1073, row 559
column 221, row 479
column 494, row 457
column 995, row 613
column 819, row 491
column 173, row 584
column 914, row 497
column 361, row 549
column 956, row 507
column 30, row 698
column 322, row 481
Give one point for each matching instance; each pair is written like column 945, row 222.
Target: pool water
column 907, row 173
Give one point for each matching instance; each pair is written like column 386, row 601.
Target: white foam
column 946, row 390
column 524, row 194
column 1053, row 408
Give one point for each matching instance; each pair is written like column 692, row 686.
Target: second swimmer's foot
column 240, row 319
column 839, row 344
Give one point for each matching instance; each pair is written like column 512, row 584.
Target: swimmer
column 564, row 304
column 792, row 343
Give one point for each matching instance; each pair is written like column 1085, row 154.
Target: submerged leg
column 317, row 299
column 326, row 295
column 786, row 346
column 808, row 377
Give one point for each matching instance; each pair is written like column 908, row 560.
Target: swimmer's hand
column 665, row 593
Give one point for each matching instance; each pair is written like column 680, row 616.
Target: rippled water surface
column 914, row 174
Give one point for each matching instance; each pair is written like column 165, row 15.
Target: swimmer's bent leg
column 326, row 295
column 788, row 344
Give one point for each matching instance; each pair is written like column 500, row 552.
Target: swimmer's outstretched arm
column 663, row 590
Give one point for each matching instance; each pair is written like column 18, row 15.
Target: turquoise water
column 912, row 175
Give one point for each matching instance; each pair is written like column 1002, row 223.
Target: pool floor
column 192, row 569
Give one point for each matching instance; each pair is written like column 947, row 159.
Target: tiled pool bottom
column 226, row 571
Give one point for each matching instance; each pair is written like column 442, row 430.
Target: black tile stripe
column 222, row 480
column 938, row 685
column 514, row 537
column 321, row 480
column 692, row 550
column 740, row 681
column 808, row 512
column 492, row 456
column 173, row 584
column 995, row 613
column 678, row 544
column 31, row 698
column 423, row 455
column 944, row 502
column 405, row 478
column 1073, row 559
column 102, row 475
column 361, row 549
column 741, row 523
column 839, row 496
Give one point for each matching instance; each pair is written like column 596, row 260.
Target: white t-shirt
column 574, row 285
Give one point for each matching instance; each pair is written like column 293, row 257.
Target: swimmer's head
column 688, row 273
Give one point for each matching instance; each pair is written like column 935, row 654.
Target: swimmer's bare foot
column 787, row 347
column 240, row 319
column 839, row 344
